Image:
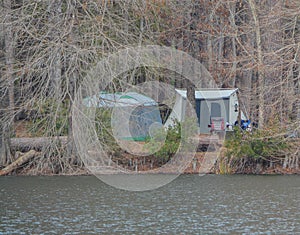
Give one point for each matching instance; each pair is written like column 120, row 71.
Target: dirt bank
column 223, row 165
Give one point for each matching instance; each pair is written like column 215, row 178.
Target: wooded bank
column 32, row 151
column 48, row 47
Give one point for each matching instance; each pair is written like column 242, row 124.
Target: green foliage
column 51, row 118
column 104, row 130
column 167, row 148
column 265, row 143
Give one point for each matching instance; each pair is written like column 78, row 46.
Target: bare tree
column 55, row 66
column 47, row 48
column 7, row 79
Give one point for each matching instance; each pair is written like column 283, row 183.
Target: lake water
column 212, row 204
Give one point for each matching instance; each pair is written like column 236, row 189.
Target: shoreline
column 221, row 165
column 86, row 172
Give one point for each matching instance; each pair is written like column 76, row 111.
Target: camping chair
column 217, row 124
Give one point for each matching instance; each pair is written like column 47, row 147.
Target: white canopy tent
column 221, row 103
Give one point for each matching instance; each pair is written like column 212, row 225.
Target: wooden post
column 136, row 165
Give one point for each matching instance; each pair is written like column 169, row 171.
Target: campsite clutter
column 245, row 125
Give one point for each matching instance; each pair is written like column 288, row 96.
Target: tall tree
column 260, row 63
column 7, row 110
column 55, row 29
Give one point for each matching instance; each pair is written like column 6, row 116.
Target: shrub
column 104, row 130
column 265, row 143
column 167, row 141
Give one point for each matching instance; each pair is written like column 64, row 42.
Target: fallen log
column 36, row 143
column 20, row 161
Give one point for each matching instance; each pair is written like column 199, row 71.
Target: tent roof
column 118, row 100
column 207, row 94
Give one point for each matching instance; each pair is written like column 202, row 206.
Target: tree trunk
column 220, row 54
column 9, row 54
column 72, row 80
column 55, row 68
column 193, row 48
column 36, row 143
column 5, row 155
column 7, row 112
column 260, row 64
column 20, row 161
column 233, row 44
column 296, row 74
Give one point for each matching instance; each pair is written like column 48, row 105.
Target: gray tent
column 134, row 115
column 210, row 103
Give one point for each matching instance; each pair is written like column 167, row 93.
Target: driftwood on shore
column 36, row 143
column 20, row 161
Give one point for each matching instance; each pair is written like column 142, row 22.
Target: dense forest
column 47, row 47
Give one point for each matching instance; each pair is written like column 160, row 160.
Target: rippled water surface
column 191, row 204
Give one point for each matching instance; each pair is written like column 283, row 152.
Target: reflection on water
column 191, row 204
